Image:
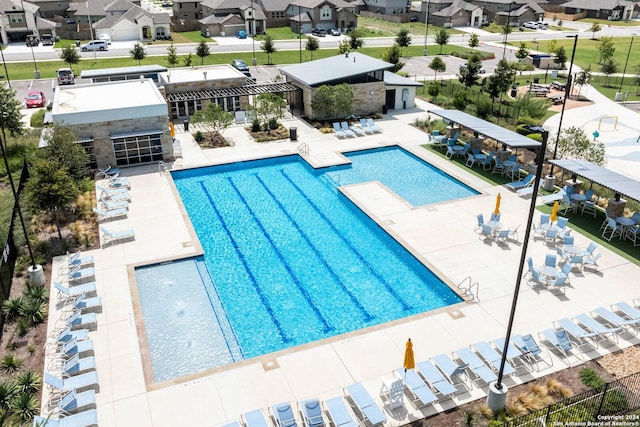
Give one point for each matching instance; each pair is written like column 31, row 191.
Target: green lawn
column 279, row 33
column 381, row 28
column 604, row 22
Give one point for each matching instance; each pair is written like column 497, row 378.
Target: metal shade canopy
column 619, row 183
column 488, row 129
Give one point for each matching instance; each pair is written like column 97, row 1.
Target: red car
column 36, row 99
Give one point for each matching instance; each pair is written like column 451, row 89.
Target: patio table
column 577, row 200
column 549, row 273
column 572, row 249
column 624, row 223
column 549, row 226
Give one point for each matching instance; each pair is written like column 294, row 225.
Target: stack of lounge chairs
column 113, row 200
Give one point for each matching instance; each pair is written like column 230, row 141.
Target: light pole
column 300, row 30
column 6, row 72
column 567, row 89
column 507, row 29
column 95, row 55
column 33, row 55
column 426, row 28
column 626, row 62
column 253, row 34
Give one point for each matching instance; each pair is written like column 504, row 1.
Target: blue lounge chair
column 615, row 320
column 78, row 382
column 78, row 365
column 115, row 194
column 532, row 351
column 255, row 418
column 108, row 171
column 311, row 412
column 606, row 332
column 78, row 274
column 74, row 291
column 114, row 236
column 476, row 366
column 77, row 258
column 81, row 419
column 283, row 415
column 581, row 336
column 374, row 126
column 74, row 346
column 111, row 205
column 515, row 356
column 66, row 335
column 365, row 126
column 525, row 182
column 436, row 380
column 73, row 401
column 345, row 128
column 492, row 357
column 84, row 304
column 118, row 182
column 456, row 374
column 627, row 310
column 559, row 340
column 339, row 413
column 78, row 320
column 364, row 404
column 551, row 198
column 339, row 132
column 421, row 394
column 111, row 214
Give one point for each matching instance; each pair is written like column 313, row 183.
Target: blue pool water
column 291, row 260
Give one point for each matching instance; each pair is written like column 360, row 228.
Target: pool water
column 291, row 259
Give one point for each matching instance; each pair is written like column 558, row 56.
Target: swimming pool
column 294, row 261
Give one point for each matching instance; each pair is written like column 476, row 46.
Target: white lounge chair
column 421, row 394
column 480, row 370
column 365, row 126
column 436, row 380
column 339, row 132
column 558, row 340
column 456, row 374
column 77, row 258
column 65, row 292
column 613, row 319
column 114, row 194
column 114, row 236
column 363, row 404
column 580, row 336
column 373, row 126
column 606, row 332
column 110, row 214
column 532, row 351
column 88, row 380
column 283, row 415
column 255, row 418
column 73, row 402
column 81, row 419
column 346, row 130
column 118, row 182
column 554, row 197
column 492, row 357
column 113, row 205
column 338, row 413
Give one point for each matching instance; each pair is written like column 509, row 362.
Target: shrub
column 22, row 327
column 434, row 89
column 37, row 119
column 11, row 308
column 516, row 409
column 10, row 364
column 28, row 381
column 483, row 109
column 460, row 101
column 255, row 126
column 615, row 402
column 590, row 378
column 464, row 54
column 273, row 124
column 535, row 137
column 198, row 136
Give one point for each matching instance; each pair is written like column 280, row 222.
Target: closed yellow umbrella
column 497, row 210
column 554, row 212
column 409, row 361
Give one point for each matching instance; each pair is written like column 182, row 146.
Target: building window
column 17, row 19
column 87, row 145
column 325, row 12
column 133, row 150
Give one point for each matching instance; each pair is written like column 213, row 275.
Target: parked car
column 413, row 18
column 543, row 25
column 241, row 34
column 35, row 99
column 333, row 32
column 167, row 5
column 239, row 65
column 95, row 45
column 65, row 76
column 531, row 25
column 105, row 37
column 319, row 32
column 47, row 40
column 32, row 40
column 480, row 71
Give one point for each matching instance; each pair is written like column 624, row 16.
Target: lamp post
column 33, row 55
column 567, row 89
column 496, row 397
column 507, row 28
column 253, row 34
column 95, row 55
column 6, row 72
column 300, row 31
column 626, row 62
column 426, row 28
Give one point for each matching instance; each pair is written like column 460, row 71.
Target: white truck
column 65, row 76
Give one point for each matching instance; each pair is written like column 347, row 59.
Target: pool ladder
column 303, row 149
column 162, row 167
column 469, row 289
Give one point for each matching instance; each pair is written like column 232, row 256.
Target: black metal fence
column 600, row 406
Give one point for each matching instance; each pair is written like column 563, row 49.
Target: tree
column 552, row 45
column 574, row 143
column 332, row 102
column 438, row 66
column 582, row 78
column 393, row 55
column 460, row 101
column 11, row 116
column 70, row 55
column 608, row 68
column 434, row 89
column 312, row 45
column 202, row 50
column 268, row 109
column 403, row 38
column 356, row 41
column 606, row 49
column 138, row 53
column 442, row 37
column 62, row 150
column 187, row 60
column 469, row 72
column 343, row 47
column 501, row 79
column 522, row 51
column 213, row 117
column 172, row 56
column 474, row 41
column 595, row 27
column 268, row 47
column 50, row 188
column 561, row 57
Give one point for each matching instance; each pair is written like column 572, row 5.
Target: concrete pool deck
column 441, row 235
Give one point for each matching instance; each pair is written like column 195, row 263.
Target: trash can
column 293, row 133
column 384, row 109
column 77, row 43
column 514, row 92
column 536, row 80
column 186, row 125
column 549, row 182
column 37, row 74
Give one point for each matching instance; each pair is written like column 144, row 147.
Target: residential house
column 275, row 12
column 458, row 14
column 323, row 14
column 187, row 9
column 52, row 8
column 519, row 15
column 226, row 17
column 387, row 7
column 496, row 10
column 611, row 10
column 127, row 21
column 21, row 18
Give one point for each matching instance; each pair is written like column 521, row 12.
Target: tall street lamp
column 300, row 31
column 507, row 29
column 253, row 34
column 626, row 62
column 6, row 72
column 567, row 89
column 426, row 28
column 33, row 55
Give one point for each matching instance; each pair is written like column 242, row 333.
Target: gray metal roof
column 393, row 79
column 619, row 183
column 488, row 129
column 138, row 69
column 337, row 67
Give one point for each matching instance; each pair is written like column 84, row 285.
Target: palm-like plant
column 22, row 327
column 24, row 407
column 28, row 381
column 8, row 390
column 38, row 293
column 11, row 308
column 10, row 364
column 33, row 310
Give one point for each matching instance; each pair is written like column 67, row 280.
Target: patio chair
column 471, row 160
column 560, row 282
column 580, row 336
column 480, row 218
column 550, row 236
column 345, row 128
column 515, row 356
column 558, row 340
column 374, row 126
column 633, row 234
column 339, row 132
column 81, row 419
column 392, row 391
column 498, row 167
column 612, row 228
column 455, row 373
column 513, row 233
column 365, row 126
column 77, row 258
column 503, row 236
column 338, row 413
column 592, row 262
column 476, row 366
column 529, row 266
column 537, row 278
column 73, row 402
column 77, row 365
column 118, row 182
column 109, row 205
column 420, row 393
column 103, row 215
column 614, row 320
column 495, row 216
column 589, row 205
column 436, row 380
column 311, row 412
column 115, row 236
column 486, row 232
column 355, row 129
column 283, row 415
column 550, row 260
column 627, row 310
column 603, row 330
column 70, row 292
column 532, row 351
column 111, row 191
column 363, row 403
column 486, row 163
column 551, row 198
column 255, row 418
column 80, row 382
column 450, row 149
column 525, row 182
column 590, row 249
column 108, row 171
column 492, row 358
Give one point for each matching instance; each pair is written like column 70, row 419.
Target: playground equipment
column 615, row 122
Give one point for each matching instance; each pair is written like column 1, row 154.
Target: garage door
column 125, row 34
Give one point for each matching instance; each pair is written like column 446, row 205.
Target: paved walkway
column 440, row 235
